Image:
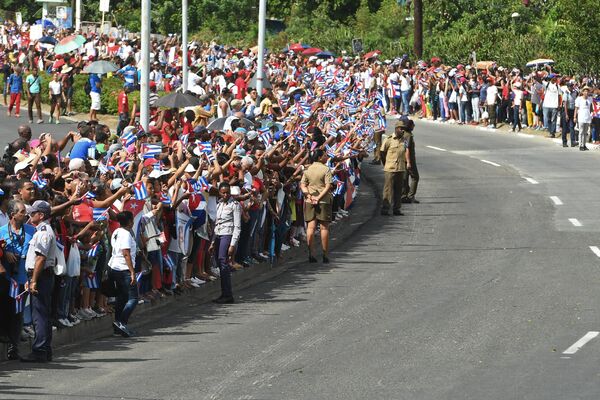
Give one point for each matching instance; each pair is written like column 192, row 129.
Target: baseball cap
column 149, row 162
column 251, row 135
column 116, row 184
column 40, row 206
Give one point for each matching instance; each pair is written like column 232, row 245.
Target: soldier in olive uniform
column 409, row 190
column 395, row 158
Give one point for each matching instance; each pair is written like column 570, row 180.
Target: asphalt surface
column 9, row 125
column 476, row 293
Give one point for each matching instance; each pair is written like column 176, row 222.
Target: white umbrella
column 538, row 62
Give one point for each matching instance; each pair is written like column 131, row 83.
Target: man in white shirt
column 550, row 104
column 490, row 99
column 583, row 116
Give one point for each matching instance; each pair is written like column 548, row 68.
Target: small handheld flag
column 20, row 302
column 38, row 181
column 93, row 252
column 100, row 214
column 91, row 281
column 169, row 262
column 139, row 191
column 14, row 289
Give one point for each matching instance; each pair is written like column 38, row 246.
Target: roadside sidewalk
column 364, row 208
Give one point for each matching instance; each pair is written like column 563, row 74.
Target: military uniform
column 394, row 169
column 316, row 177
column 43, row 242
column 409, row 190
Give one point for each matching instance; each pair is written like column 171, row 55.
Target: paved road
column 474, row 294
column 9, row 125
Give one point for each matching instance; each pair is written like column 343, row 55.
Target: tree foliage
column 453, row 29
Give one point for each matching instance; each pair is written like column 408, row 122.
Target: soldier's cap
column 40, row 206
column 402, row 124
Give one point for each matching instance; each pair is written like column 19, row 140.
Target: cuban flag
column 13, row 290
column 139, row 191
column 93, row 252
column 264, row 134
column 39, row 182
column 128, row 138
column 100, row 214
column 20, row 302
column 380, row 122
column 197, row 205
column 124, row 164
column 339, row 186
column 185, row 139
column 165, row 198
column 91, row 281
column 395, row 89
column 89, row 195
column 151, row 150
column 102, row 168
column 211, row 157
column 169, row 262
column 303, row 109
column 205, row 147
column 138, row 277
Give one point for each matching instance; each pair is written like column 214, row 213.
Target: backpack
column 87, row 87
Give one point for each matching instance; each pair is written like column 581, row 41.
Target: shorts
column 453, row 106
column 69, row 92
column 321, row 212
column 95, row 101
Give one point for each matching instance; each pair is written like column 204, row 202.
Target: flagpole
column 262, row 16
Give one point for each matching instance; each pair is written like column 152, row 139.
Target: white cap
column 76, row 164
column 190, row 168
column 21, row 165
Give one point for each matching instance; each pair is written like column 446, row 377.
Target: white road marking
column 491, row 163
column 596, row 250
column 556, row 200
column 581, row 342
column 531, row 180
column 575, row 222
column 436, row 148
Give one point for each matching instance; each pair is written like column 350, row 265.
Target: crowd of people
column 95, row 221
column 492, row 94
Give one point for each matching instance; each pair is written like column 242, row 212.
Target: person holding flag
column 122, row 272
column 16, row 236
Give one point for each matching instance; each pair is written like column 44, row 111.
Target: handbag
column 60, row 267
column 74, row 261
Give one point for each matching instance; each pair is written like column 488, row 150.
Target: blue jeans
column 568, row 126
column 550, row 119
column 65, row 292
column 405, row 101
column 127, row 297
column 221, row 248
column 516, row 117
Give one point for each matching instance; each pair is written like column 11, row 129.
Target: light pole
column 418, row 26
column 145, row 65
column 262, row 16
column 184, row 40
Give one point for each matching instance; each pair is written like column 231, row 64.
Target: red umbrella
column 297, row 47
column 372, row 54
column 311, row 51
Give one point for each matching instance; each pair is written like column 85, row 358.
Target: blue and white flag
column 128, row 138
column 38, row 181
column 91, row 281
column 20, row 302
column 93, row 252
column 151, row 150
column 205, row 147
column 169, row 262
column 100, row 213
column 13, row 290
column 139, row 191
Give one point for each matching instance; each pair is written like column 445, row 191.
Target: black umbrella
column 265, row 81
column 220, row 124
column 178, row 100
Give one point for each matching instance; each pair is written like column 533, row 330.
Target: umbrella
column 298, row 47
column 311, row 51
column 48, row 40
column 224, row 123
column 178, row 100
column 265, row 80
column 325, row 54
column 100, row 67
column 46, row 24
column 484, row 64
column 372, row 54
column 538, row 62
column 69, row 44
column 58, row 63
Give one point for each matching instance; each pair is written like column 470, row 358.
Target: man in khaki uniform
column 395, row 158
column 410, row 189
column 316, row 186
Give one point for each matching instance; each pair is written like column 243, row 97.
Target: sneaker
column 51, row 120
column 82, row 315
column 198, row 281
column 99, row 311
column 65, row 323
column 91, row 313
column 40, row 121
column 57, row 122
column 30, row 121
column 73, row 320
column 17, row 115
column 295, row 242
column 28, row 330
column 284, row 247
column 194, row 284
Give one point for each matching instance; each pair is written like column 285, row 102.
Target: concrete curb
column 364, row 209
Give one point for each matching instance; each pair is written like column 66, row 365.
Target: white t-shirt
column 404, row 83
column 55, row 87
column 584, row 116
column 518, row 97
column 492, row 95
column 551, row 96
column 120, row 240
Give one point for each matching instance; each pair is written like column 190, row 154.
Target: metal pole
column 184, row 40
column 418, row 32
column 78, row 15
column 145, row 64
column 262, row 16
